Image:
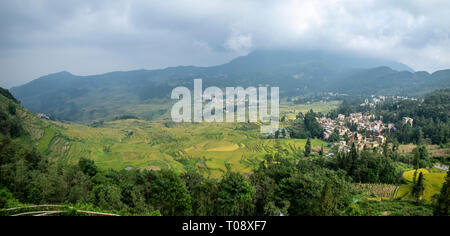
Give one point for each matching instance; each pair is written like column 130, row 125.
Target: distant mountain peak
column 58, row 75
column 282, row 57
column 61, row 73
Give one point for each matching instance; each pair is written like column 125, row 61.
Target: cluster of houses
column 362, row 122
column 43, row 116
column 374, row 100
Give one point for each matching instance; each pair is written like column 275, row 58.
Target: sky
column 85, row 37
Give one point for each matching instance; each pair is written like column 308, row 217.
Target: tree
column 264, row 186
column 443, row 204
column 34, row 196
column 326, row 205
column 353, row 158
column 308, row 148
column 108, row 196
column 321, row 151
column 419, row 136
column 421, row 157
column 205, row 198
column 395, row 145
column 6, row 198
column 386, row 149
column 312, row 125
column 415, row 177
column 235, row 197
column 87, row 166
column 12, row 109
column 416, row 161
column 313, row 191
column 203, row 193
column 169, row 193
column 418, row 188
column 10, row 125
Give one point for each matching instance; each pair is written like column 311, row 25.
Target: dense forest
column 431, row 118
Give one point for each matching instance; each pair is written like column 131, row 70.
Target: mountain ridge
column 394, row 65
column 88, row 98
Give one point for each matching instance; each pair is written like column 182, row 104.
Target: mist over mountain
column 268, row 60
column 297, row 73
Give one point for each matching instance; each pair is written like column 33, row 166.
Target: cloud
column 239, row 43
column 38, row 37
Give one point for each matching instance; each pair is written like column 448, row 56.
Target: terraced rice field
column 129, row 144
column 138, row 144
column 432, row 181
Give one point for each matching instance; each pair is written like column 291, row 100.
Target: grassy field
column 290, row 110
column 433, row 150
column 432, row 181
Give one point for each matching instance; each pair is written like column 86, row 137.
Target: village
column 361, row 129
column 374, row 100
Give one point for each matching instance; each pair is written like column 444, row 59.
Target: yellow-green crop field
column 432, row 181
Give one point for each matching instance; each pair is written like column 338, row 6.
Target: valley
column 223, row 110
column 138, row 144
column 103, row 144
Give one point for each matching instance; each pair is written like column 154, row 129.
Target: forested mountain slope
column 146, row 93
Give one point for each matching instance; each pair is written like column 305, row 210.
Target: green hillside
column 81, row 165
column 146, row 93
column 138, row 144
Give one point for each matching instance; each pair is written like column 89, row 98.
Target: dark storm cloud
column 38, row 37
